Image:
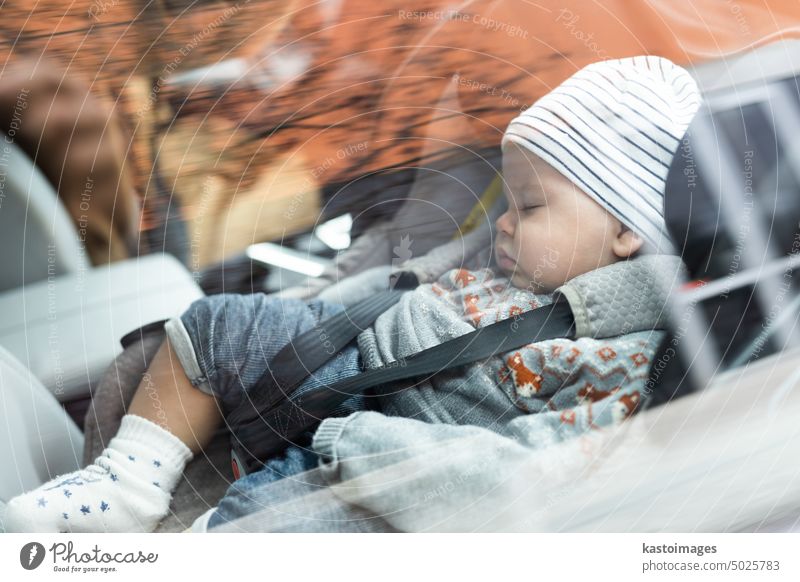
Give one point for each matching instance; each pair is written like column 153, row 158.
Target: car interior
column 63, row 318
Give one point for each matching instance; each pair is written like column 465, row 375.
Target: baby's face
column 551, row 231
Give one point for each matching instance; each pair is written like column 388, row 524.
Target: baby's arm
column 420, row 476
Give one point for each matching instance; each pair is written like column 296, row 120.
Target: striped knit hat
column 612, row 129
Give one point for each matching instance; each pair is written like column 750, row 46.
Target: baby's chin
column 517, row 278
column 521, row 280
column 498, row 270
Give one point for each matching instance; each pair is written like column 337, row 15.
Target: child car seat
column 733, row 208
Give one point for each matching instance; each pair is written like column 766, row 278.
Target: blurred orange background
column 251, row 111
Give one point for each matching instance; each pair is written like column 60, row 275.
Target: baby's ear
column 627, row 243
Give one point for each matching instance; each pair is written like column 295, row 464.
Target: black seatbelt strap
column 278, row 426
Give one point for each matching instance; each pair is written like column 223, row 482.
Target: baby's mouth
column 504, row 261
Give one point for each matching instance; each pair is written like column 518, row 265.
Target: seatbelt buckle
column 239, row 469
column 242, row 463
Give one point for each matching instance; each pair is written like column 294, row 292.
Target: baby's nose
column 505, row 223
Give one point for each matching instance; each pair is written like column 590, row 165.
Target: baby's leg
column 167, row 398
column 129, row 486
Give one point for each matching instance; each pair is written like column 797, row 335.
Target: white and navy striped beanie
column 613, row 128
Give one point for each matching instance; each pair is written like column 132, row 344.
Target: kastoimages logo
column 31, row 555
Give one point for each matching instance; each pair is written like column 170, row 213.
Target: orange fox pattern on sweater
column 584, row 383
column 471, row 307
column 527, row 381
column 590, row 393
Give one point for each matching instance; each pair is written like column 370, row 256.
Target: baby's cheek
column 529, row 243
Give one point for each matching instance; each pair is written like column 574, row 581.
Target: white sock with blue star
column 127, row 489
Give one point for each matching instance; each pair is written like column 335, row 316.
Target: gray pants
column 226, row 342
